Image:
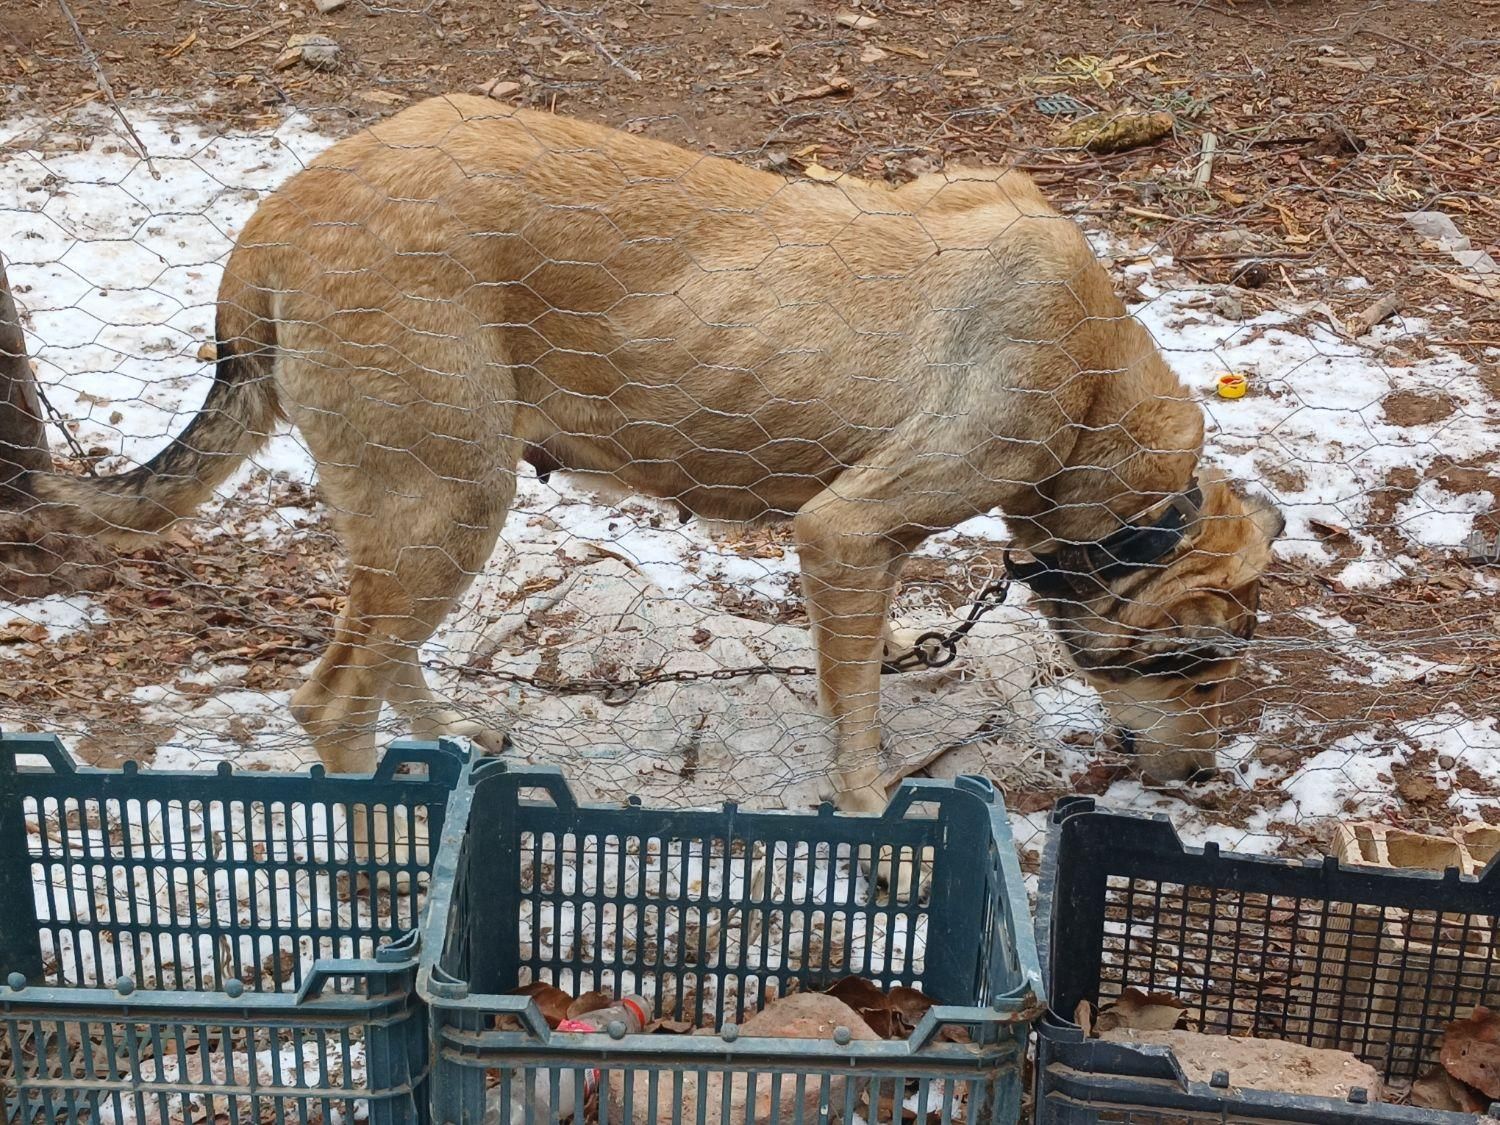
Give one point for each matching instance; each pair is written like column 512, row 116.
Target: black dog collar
column 1129, row 549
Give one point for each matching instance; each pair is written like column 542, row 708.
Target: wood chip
column 902, row 49
column 183, row 46
column 855, row 21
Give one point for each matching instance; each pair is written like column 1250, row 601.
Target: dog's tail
column 236, row 419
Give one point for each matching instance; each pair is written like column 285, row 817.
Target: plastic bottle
column 631, row 1011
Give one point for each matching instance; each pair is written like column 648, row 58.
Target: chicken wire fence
column 850, row 330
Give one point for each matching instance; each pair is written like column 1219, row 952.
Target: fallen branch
column 1363, row 323
column 102, row 80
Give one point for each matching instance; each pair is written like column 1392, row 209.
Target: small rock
column 380, row 97
column 326, row 6
column 1229, row 307
column 1446, row 761
column 498, row 88
column 317, row 51
column 872, row 54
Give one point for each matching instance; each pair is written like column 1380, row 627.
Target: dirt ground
column 1330, row 118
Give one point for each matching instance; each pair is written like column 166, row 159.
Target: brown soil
column 1331, row 119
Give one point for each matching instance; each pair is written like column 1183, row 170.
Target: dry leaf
column 855, row 20
column 965, row 72
column 1328, row 530
column 552, row 1001
column 23, row 632
column 1142, row 1011
column 815, row 171
column 764, row 50
column 868, row 1001
column 589, row 1002
column 1471, row 1051
column 871, row 54
column 891, row 1015
column 1437, row 1089
column 669, row 1027
column 836, row 84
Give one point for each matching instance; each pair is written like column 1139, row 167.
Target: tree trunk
column 23, row 437
column 35, row 559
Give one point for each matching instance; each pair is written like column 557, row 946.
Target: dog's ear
column 1266, row 516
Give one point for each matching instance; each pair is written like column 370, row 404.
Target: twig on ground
column 102, row 80
column 251, row 36
column 1333, row 215
column 592, row 40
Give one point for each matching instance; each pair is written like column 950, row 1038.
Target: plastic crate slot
column 710, row 914
column 1375, row 962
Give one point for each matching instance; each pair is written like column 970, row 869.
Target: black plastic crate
column 708, row 913
column 212, row 946
column 1368, row 960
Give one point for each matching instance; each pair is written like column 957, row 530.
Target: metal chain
column 62, row 427
column 931, row 650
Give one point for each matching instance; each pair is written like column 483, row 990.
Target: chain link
column 931, row 650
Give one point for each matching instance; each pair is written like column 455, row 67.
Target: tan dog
column 439, row 293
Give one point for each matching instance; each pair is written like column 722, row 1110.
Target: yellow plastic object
column 1231, row 385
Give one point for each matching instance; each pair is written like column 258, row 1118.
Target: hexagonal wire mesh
column 829, row 301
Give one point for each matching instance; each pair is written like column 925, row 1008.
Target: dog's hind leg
column 432, row 718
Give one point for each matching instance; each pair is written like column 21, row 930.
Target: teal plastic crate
column 211, row 946
column 708, row 914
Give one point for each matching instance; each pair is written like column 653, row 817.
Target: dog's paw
column 904, row 877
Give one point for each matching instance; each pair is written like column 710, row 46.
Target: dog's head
column 1161, row 644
